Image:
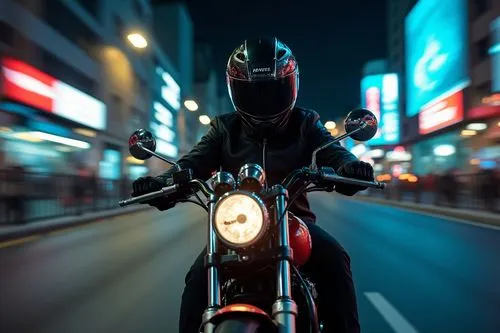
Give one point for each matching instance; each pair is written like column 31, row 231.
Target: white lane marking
column 395, row 319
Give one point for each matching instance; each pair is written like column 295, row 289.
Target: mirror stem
column 159, row 156
column 340, row 138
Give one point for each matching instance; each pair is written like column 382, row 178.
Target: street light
column 191, row 105
column 467, row 132
column 477, row 126
column 137, row 40
column 204, row 119
column 330, row 125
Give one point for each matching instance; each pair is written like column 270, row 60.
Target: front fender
column 242, row 318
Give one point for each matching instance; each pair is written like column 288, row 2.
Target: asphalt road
column 414, row 273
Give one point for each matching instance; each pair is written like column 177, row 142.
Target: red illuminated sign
column 441, row 114
column 27, row 84
column 484, row 111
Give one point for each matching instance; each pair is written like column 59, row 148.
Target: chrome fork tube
column 284, row 309
column 214, row 299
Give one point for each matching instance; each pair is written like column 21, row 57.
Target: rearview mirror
column 139, row 140
column 361, row 124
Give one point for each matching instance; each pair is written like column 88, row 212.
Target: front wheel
column 242, row 325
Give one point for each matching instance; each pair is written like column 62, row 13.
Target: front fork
column 284, row 309
column 214, row 300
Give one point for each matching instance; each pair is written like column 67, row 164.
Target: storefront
column 482, row 132
column 440, row 154
column 47, row 125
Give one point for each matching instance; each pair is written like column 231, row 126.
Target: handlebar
column 195, row 183
column 148, row 196
column 329, row 175
column 334, row 178
column 321, row 175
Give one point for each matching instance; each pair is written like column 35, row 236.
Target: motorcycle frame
column 284, row 310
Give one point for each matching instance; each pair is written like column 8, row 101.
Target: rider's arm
column 333, row 156
column 204, row 157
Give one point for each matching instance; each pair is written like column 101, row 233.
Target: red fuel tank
column 300, row 240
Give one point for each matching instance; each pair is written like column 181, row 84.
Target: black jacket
column 229, row 145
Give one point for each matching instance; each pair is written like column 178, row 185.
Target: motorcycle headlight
column 241, row 219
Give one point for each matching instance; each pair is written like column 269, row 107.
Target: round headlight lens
column 240, row 219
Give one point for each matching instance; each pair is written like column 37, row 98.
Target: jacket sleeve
column 204, row 157
column 333, row 156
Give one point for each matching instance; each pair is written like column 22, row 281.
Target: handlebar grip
column 352, row 181
column 148, row 196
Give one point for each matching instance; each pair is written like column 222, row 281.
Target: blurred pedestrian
column 489, row 189
column 15, row 194
column 125, row 186
column 94, row 188
column 449, row 188
column 78, row 190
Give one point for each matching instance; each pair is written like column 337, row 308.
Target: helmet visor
column 263, row 98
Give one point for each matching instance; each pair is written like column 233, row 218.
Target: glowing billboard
column 379, row 94
column 26, row 84
column 441, row 114
column 436, row 52
column 163, row 120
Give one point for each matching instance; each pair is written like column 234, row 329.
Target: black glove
column 148, row 184
column 354, row 169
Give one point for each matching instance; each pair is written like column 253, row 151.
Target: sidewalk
column 9, row 231
column 457, row 213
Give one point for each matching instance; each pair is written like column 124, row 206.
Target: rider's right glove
column 144, row 185
column 354, row 169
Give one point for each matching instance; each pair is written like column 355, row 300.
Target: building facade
column 444, row 55
column 73, row 87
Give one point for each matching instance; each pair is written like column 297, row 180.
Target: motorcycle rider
column 268, row 129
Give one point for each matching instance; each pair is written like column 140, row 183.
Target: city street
column 414, row 273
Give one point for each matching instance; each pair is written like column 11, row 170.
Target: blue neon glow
column 436, row 51
column 494, row 49
column 387, row 85
column 43, row 126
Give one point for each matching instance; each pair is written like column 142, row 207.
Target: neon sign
column 30, row 86
column 170, row 91
column 163, row 120
column 380, row 94
column 441, row 114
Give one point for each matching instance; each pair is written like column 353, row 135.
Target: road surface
column 414, row 273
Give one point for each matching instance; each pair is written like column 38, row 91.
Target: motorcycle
column 254, row 246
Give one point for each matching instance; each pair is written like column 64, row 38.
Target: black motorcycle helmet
column 263, row 82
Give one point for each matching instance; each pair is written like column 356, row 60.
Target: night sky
column 331, row 40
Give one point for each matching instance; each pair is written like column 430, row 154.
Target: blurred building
column 173, row 28
column 444, row 54
column 213, row 102
column 76, row 81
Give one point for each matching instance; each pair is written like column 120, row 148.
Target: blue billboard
column 380, row 94
column 164, row 114
column 436, row 51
